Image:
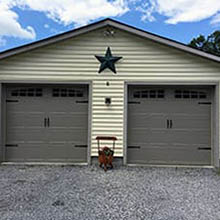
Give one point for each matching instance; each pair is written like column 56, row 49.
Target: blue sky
column 26, row 21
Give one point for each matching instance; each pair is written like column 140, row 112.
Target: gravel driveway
column 74, row 192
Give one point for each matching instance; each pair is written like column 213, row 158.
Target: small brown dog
column 106, row 157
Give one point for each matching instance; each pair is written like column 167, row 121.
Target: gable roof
column 104, row 23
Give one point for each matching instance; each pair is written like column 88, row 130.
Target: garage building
column 159, row 98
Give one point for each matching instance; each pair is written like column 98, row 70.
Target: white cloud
column 2, row 42
column 183, row 10
column 76, row 11
column 216, row 19
column 9, row 25
column 46, row 26
column 147, row 9
column 66, row 12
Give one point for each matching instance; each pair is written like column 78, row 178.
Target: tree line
column 209, row 44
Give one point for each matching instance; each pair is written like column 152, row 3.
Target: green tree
column 211, row 44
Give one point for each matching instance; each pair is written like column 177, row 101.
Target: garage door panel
column 30, row 105
column 149, row 107
column 189, row 136
column 188, row 107
column 56, row 152
column 163, row 136
column 185, row 136
column 174, row 154
column 178, row 121
column 191, row 122
column 67, row 151
column 73, row 106
column 25, row 134
column 21, row 119
column 175, row 129
column 27, row 152
column 72, row 134
column 147, row 135
column 146, row 120
column 68, row 119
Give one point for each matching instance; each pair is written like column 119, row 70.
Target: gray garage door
column 169, row 125
column 47, row 123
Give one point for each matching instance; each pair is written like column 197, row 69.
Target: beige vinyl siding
column 73, row 60
column 108, row 120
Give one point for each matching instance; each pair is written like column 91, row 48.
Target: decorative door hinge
column 81, row 146
column 134, row 102
column 204, row 148
column 11, row 145
column 134, row 147
column 82, row 101
column 204, row 103
column 7, row 100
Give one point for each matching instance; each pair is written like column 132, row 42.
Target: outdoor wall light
column 108, row 101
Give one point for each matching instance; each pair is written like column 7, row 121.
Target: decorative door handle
column 48, row 122
column 168, row 123
column 45, row 122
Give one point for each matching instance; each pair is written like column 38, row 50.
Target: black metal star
column 108, row 61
